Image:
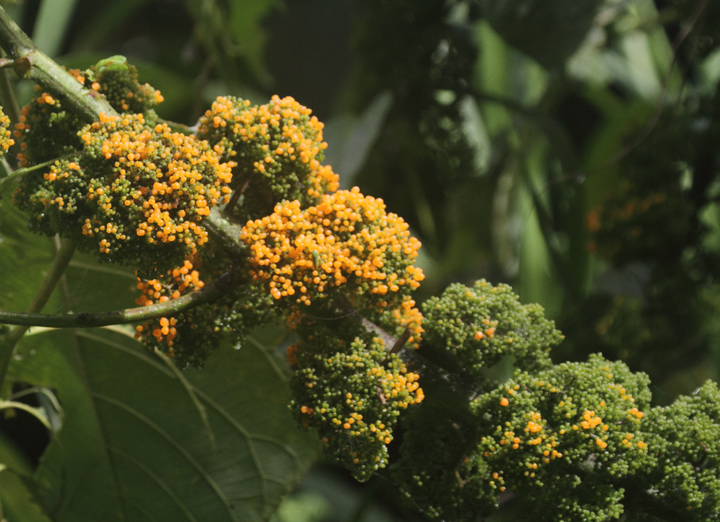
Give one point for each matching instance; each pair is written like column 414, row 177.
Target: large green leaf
column 548, row 31
column 23, row 259
column 142, row 441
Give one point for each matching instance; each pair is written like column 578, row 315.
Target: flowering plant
column 235, row 230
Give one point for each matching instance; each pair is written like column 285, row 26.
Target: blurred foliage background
column 568, row 148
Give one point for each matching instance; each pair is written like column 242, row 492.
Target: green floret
column 118, row 82
column 479, row 325
column 684, row 439
column 564, row 435
column 440, row 471
column 351, row 390
column 46, row 131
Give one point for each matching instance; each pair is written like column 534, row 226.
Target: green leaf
column 23, row 259
column 548, row 31
column 140, row 441
column 475, row 132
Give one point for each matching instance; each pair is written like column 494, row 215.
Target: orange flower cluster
column 182, row 280
column 407, row 316
column 5, row 140
column 348, row 239
column 46, row 130
column 136, row 186
column 278, row 148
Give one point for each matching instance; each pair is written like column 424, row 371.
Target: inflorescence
column 47, row 130
column 345, row 246
column 5, row 140
column 136, row 193
column 351, row 389
column 479, row 325
column 278, row 150
column 340, row 271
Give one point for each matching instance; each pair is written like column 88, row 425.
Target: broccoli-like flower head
column 136, row 194
column 479, row 324
column 346, row 246
column 278, row 149
column 351, row 389
column 47, row 130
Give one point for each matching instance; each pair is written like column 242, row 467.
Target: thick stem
column 57, row 269
column 128, row 315
column 34, row 65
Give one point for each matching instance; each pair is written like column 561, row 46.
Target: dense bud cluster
column 479, row 325
column 683, row 438
column 47, row 130
column 135, row 194
column 346, row 246
column 191, row 335
column 277, row 147
column 348, row 386
column 117, row 81
column 569, row 432
column 188, row 336
column 5, row 140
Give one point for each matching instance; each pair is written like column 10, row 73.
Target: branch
column 129, row 315
column 31, row 64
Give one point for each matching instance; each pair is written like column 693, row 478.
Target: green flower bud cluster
column 278, row 149
column 440, row 471
column 47, row 130
column 479, row 325
column 563, row 432
column 117, row 80
column 683, row 438
column 135, row 194
column 348, row 387
column 5, row 140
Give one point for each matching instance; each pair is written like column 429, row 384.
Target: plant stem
column 128, row 315
column 57, row 269
column 31, row 64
